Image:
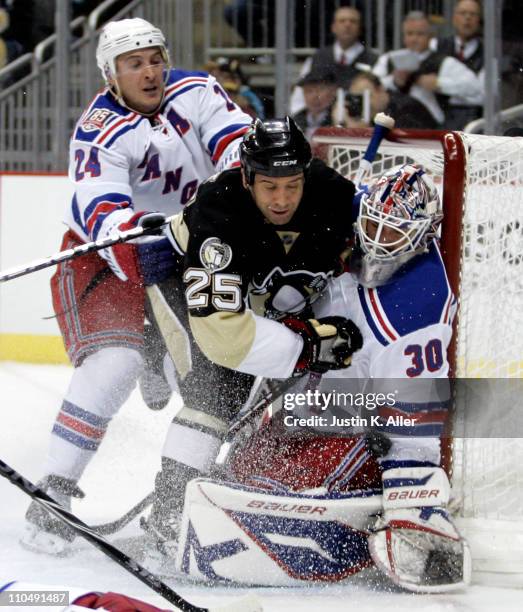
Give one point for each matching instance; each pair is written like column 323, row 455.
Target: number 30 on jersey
column 429, row 357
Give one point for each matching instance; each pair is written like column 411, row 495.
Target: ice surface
column 120, row 475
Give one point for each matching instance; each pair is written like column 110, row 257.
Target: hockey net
column 480, row 179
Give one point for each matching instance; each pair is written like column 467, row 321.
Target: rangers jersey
column 122, row 162
column 240, row 271
column 406, row 327
column 406, row 324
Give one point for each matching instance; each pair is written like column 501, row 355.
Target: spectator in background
column 466, row 46
column 430, row 77
column 345, row 57
column 253, row 20
column 229, row 74
column 319, row 91
column 407, row 111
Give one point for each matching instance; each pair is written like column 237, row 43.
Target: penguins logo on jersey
column 282, row 292
column 215, row 255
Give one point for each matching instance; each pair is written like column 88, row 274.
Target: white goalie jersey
column 406, row 325
column 407, row 328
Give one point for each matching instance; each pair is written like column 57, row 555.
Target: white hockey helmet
column 398, row 219
column 119, row 37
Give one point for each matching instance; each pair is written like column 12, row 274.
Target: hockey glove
column 328, row 343
column 149, row 259
column 415, row 542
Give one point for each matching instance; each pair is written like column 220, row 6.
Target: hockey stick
column 382, row 125
column 82, row 249
column 247, row 604
column 114, row 526
column 252, row 414
column 260, row 405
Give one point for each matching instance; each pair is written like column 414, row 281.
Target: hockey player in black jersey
column 258, row 243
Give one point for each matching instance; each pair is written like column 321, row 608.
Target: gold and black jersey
column 238, row 268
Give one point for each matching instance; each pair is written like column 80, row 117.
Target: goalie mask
column 274, row 148
column 122, row 36
column 398, row 219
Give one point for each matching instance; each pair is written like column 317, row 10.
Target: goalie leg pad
column 247, row 535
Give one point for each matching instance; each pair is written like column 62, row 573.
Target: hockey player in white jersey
column 304, row 507
column 138, row 152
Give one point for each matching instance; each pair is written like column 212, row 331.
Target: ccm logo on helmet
column 301, row 509
column 286, row 162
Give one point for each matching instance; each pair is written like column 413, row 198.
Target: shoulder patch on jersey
column 96, row 119
column 215, row 255
column 101, row 114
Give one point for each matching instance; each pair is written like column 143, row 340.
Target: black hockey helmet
column 276, row 147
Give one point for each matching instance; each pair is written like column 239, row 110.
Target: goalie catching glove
column 415, row 542
column 328, row 343
column 148, row 259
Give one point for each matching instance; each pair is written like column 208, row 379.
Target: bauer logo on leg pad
column 242, row 534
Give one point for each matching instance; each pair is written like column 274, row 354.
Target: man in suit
column 465, row 45
column 345, row 57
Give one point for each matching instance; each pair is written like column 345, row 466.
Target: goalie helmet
column 398, row 219
column 119, row 37
column 274, row 148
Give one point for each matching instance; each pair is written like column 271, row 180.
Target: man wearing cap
column 319, row 91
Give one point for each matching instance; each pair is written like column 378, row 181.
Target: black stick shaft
column 260, row 406
column 114, row 526
column 100, row 542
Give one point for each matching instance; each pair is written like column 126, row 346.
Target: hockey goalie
column 307, row 497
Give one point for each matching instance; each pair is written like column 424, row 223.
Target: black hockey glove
column 328, row 343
